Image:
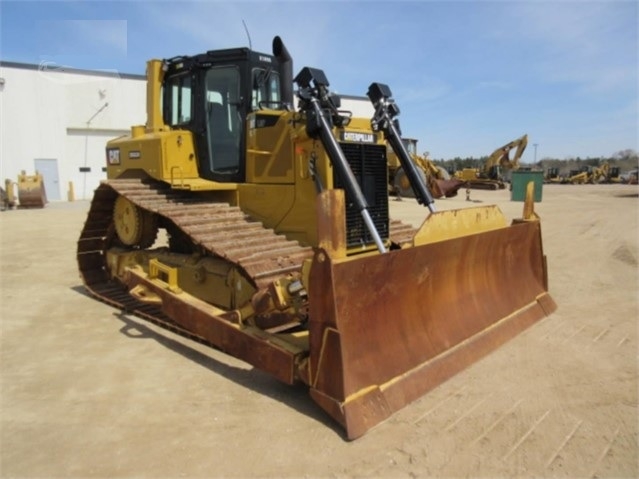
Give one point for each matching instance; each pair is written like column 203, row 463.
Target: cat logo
column 359, row 137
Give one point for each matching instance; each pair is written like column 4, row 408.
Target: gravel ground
column 89, row 392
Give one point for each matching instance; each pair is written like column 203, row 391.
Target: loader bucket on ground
column 31, row 193
column 447, row 188
column 387, row 328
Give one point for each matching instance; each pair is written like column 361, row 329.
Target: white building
column 57, row 121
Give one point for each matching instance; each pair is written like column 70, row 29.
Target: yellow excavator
column 437, row 178
column 281, row 250
column 490, row 176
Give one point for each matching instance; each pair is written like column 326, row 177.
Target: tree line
column 626, row 160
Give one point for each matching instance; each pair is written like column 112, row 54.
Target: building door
column 49, row 170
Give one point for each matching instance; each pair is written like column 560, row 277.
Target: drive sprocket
column 134, row 226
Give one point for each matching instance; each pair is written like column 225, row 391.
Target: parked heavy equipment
column 552, row 175
column 490, row 176
column 280, row 248
column 437, row 178
column 606, row 174
column 579, row 177
column 586, row 174
column 8, row 196
column 31, row 192
column 599, row 174
column 4, row 200
column 613, row 175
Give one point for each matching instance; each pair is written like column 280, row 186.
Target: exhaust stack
column 286, row 70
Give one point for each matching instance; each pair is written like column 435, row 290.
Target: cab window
column 223, row 120
column 266, row 89
column 411, row 146
column 178, row 104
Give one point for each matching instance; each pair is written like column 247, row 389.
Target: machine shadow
column 80, row 290
column 295, row 397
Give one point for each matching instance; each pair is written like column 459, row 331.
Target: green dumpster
column 519, row 181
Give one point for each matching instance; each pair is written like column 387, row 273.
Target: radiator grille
column 368, row 163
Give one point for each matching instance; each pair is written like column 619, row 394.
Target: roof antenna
column 247, row 34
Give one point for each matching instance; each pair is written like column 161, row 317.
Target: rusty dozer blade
column 387, row 328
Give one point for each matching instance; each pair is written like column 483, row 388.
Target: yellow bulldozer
column 552, row 175
column 612, row 174
column 437, row 178
column 281, row 250
column 490, row 176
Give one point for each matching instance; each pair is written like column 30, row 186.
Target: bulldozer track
column 216, row 229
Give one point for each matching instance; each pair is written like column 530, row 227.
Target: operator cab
column 411, row 145
column 211, row 95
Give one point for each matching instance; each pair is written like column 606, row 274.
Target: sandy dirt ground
column 89, row 392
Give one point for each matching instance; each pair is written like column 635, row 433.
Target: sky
column 467, row 76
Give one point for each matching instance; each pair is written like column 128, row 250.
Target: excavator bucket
column 448, row 188
column 31, row 193
column 387, row 328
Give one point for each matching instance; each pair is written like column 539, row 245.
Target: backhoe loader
column 280, row 249
column 490, row 176
column 579, row 177
column 437, row 178
column 605, row 174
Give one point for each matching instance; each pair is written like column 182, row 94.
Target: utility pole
column 535, row 146
column 86, row 142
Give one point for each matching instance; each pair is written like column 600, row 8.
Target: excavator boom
column 501, row 156
column 490, row 176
